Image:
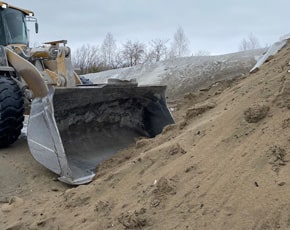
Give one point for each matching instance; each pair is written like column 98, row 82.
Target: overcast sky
column 217, row 26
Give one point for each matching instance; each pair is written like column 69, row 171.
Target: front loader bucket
column 72, row 130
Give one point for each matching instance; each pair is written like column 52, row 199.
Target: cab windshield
column 12, row 27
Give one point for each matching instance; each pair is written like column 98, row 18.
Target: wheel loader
column 72, row 126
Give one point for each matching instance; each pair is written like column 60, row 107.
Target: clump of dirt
column 159, row 191
column 277, row 157
column 176, row 149
column 286, row 123
column 162, row 189
column 256, row 113
column 199, row 109
column 103, row 207
column 133, row 220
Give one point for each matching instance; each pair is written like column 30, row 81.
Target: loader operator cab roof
column 13, row 28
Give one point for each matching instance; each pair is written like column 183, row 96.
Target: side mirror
column 36, row 27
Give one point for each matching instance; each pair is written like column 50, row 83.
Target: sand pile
column 223, row 165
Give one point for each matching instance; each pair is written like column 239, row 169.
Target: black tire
column 11, row 111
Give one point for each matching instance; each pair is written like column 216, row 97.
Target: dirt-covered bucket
column 72, row 130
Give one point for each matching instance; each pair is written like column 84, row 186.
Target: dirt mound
column 223, row 165
column 256, row 113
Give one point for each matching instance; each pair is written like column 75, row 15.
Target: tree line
column 95, row 58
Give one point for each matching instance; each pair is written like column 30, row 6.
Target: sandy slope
column 223, row 165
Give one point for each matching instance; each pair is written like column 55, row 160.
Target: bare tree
column 128, row 52
column 180, row 45
column 158, row 50
column 86, row 58
column 108, row 50
column 133, row 52
column 149, row 57
column 249, row 43
column 118, row 60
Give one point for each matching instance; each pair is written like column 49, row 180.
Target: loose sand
column 223, row 165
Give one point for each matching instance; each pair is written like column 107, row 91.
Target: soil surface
column 224, row 164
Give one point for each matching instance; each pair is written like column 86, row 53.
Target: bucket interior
column 95, row 123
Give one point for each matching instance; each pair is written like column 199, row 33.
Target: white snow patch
column 185, row 74
column 275, row 48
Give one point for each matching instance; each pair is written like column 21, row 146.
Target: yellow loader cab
column 13, row 24
column 73, row 126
